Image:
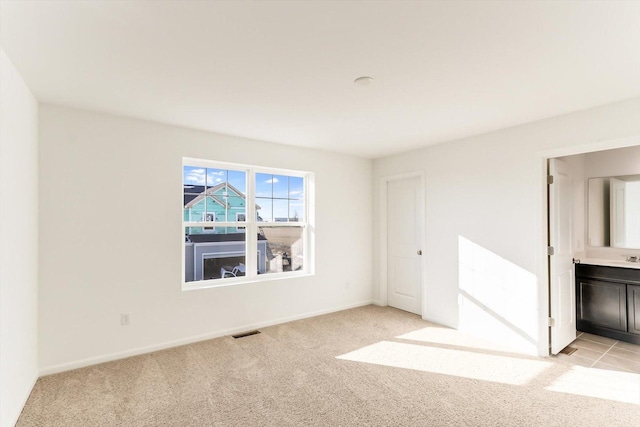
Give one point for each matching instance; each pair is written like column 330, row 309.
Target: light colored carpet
column 369, row 366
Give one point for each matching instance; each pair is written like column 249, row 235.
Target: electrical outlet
column 124, row 319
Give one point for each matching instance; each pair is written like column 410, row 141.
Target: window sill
column 233, row 281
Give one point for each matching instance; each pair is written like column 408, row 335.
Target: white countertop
column 610, row 262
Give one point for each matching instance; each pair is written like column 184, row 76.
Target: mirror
column 614, row 212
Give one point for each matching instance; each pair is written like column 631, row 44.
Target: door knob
column 419, row 251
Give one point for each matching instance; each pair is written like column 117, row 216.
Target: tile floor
column 594, row 351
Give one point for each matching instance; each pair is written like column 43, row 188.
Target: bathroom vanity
column 608, row 299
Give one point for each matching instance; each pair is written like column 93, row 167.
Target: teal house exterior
column 222, row 202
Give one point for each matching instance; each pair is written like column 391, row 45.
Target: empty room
column 319, row 213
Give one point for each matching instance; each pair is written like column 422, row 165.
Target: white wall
column 110, row 238
column 486, row 199
column 18, row 242
column 621, row 161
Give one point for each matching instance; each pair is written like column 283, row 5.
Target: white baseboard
column 48, row 370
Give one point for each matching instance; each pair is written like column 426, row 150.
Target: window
column 255, row 210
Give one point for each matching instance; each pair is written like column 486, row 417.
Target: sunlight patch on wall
column 479, row 366
column 604, row 384
column 497, row 299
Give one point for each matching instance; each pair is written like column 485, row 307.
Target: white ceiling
column 283, row 71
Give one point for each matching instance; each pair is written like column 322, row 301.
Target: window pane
column 280, row 186
column 236, row 195
column 193, row 179
column 193, row 175
column 296, row 210
column 216, row 177
column 196, row 209
column 296, row 187
column 265, row 211
column 212, row 210
column 264, row 185
column 283, row 249
column 213, row 194
column 286, row 194
column 280, row 210
column 214, row 253
column 236, row 208
column 238, row 182
column 216, row 183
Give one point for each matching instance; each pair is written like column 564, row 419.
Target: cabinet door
column 602, row 304
column 633, row 308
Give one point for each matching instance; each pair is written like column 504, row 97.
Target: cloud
column 214, row 181
column 195, row 176
column 295, row 192
column 199, row 175
column 272, row 181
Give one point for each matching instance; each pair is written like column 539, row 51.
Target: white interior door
column 562, row 282
column 404, row 244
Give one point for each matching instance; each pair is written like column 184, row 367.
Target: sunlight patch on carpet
column 604, row 384
column 486, row 367
column 446, row 336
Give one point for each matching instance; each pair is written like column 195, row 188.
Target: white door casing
column 405, row 221
column 562, row 282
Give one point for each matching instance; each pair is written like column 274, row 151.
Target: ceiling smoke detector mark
column 245, row 334
column 363, row 81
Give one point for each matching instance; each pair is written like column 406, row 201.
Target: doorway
column 564, row 245
column 403, row 233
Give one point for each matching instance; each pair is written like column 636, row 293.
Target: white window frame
column 251, row 225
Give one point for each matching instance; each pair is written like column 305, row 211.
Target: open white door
column 404, row 247
column 562, row 283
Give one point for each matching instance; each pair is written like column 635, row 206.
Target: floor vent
column 568, row 350
column 246, row 334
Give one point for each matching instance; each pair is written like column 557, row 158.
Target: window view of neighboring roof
column 194, row 193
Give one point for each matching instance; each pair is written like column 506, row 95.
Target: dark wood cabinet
column 608, row 301
column 633, row 308
column 602, row 304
